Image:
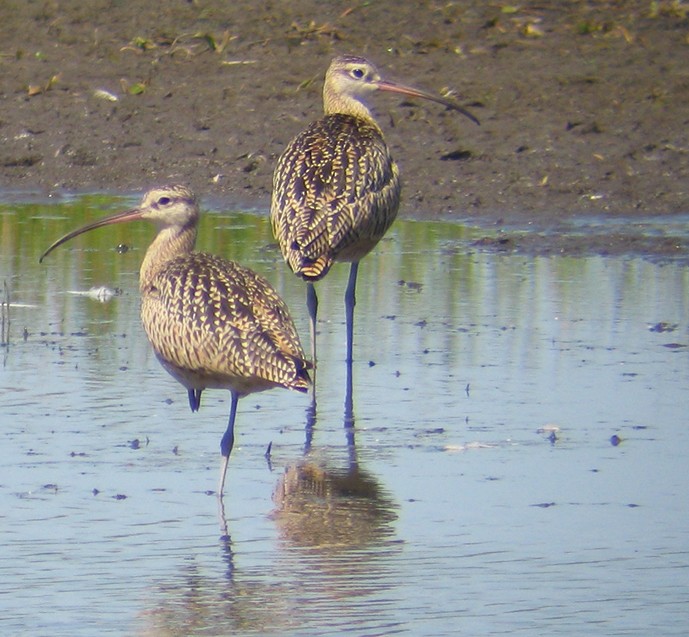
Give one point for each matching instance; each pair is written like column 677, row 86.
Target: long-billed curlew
column 336, row 188
column 212, row 323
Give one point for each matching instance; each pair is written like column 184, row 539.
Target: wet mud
column 583, row 105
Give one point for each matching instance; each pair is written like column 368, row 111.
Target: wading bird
column 336, row 188
column 213, row 324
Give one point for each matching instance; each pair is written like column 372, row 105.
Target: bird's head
column 166, row 207
column 169, row 206
column 352, row 76
column 350, row 79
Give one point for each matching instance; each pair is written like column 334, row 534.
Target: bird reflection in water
column 196, row 601
column 334, row 557
column 312, row 411
column 320, row 503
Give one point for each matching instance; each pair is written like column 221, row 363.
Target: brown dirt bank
column 584, row 105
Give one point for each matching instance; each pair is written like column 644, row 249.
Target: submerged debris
column 662, row 327
column 456, row 448
column 100, row 293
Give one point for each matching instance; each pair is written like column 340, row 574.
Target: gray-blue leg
column 227, row 443
column 312, row 306
column 350, row 302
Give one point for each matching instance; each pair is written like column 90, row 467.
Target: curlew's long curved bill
column 393, row 87
column 118, row 217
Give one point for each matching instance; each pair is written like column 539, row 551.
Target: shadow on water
column 519, row 464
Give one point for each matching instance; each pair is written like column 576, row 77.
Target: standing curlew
column 336, row 188
column 212, row 323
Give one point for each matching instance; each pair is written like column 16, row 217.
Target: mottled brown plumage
column 336, row 188
column 336, row 194
column 216, row 324
column 212, row 323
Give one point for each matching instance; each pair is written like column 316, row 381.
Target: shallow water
column 519, row 467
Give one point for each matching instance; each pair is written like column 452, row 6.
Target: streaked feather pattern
column 214, row 323
column 336, row 188
column 335, row 194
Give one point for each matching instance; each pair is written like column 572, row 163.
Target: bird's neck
column 338, row 103
column 169, row 243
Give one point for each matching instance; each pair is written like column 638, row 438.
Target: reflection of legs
column 311, row 417
column 350, row 302
column 227, row 442
column 349, row 407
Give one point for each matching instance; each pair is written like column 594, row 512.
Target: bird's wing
column 212, row 316
column 334, row 186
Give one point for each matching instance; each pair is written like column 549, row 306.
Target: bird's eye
column 358, row 73
column 164, row 201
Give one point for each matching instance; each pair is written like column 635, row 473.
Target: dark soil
column 584, row 106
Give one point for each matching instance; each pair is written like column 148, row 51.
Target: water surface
column 519, row 463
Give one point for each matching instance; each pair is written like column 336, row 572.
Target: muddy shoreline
column 584, row 106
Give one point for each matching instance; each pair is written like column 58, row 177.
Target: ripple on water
column 485, row 495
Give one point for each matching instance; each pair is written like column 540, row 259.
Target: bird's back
column 335, row 193
column 214, row 323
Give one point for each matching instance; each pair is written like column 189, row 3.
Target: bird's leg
column 350, row 302
column 227, row 442
column 312, row 306
column 195, row 399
